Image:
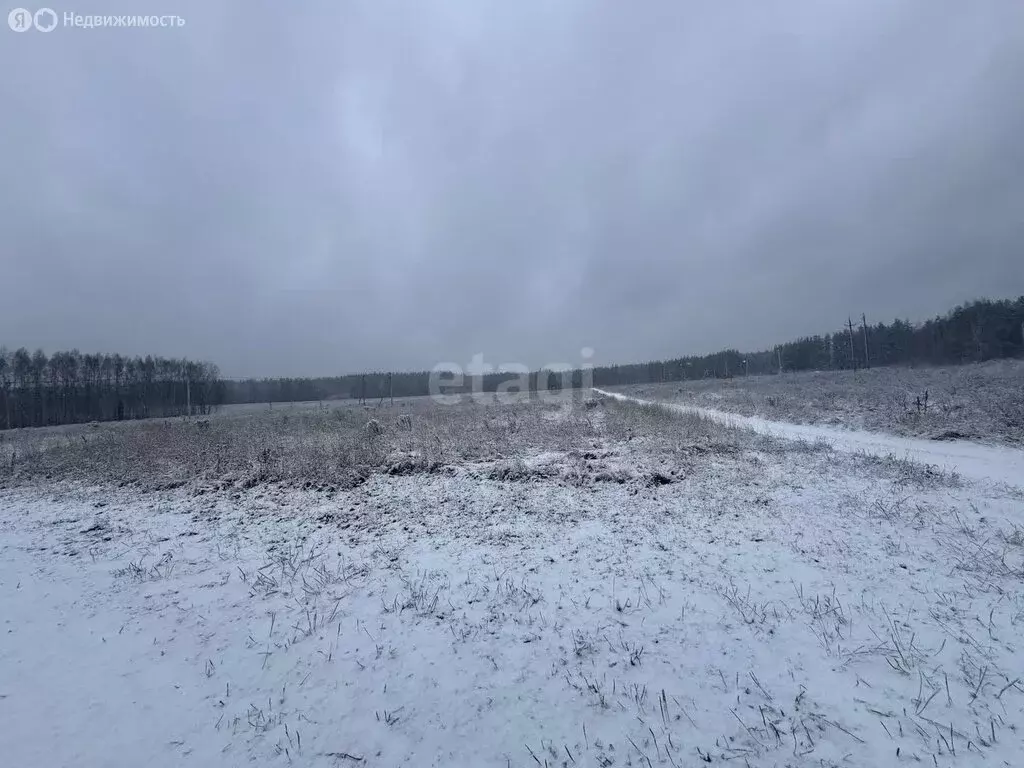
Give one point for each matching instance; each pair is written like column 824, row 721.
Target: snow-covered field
column 596, row 583
column 961, row 458
column 982, row 402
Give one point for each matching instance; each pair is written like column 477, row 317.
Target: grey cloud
column 335, row 186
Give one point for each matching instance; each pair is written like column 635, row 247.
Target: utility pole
column 778, row 352
column 864, row 324
column 853, row 358
column 362, row 396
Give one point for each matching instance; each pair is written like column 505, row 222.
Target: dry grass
column 851, row 611
column 690, row 432
column 333, row 449
column 984, row 401
column 321, row 447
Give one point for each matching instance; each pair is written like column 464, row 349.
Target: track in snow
column 972, row 461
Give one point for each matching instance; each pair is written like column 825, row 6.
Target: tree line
column 68, row 387
column 37, row 390
column 974, row 332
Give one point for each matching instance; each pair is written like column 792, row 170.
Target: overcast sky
column 315, row 187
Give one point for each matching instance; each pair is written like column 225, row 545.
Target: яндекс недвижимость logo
column 22, row 20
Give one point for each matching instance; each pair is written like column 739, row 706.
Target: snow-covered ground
column 672, row 593
column 983, row 402
column 998, row 464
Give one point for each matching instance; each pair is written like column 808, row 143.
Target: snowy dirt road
column 999, row 464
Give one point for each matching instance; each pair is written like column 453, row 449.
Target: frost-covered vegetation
column 587, row 582
column 983, row 402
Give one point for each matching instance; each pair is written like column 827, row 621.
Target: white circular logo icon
column 20, row 20
column 45, row 20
